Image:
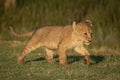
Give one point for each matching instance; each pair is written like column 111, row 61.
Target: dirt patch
column 11, row 43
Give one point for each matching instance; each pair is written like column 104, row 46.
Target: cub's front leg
column 62, row 56
column 83, row 51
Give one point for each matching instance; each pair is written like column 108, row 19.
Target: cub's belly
column 51, row 45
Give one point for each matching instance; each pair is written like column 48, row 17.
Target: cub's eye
column 85, row 33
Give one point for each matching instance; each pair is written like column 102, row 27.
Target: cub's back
column 48, row 36
column 48, row 33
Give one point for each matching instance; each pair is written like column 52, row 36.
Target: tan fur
column 60, row 38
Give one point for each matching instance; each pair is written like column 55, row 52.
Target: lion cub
column 60, row 38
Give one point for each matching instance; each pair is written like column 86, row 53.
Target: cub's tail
column 27, row 34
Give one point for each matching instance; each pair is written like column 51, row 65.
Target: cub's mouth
column 87, row 43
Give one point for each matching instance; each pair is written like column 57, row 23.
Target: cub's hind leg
column 49, row 56
column 30, row 46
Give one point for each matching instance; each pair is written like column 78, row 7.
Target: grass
column 37, row 68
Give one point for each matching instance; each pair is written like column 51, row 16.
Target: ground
column 37, row 68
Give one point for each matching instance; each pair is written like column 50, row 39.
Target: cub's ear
column 88, row 22
column 74, row 25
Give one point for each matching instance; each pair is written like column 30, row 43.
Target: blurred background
column 26, row 15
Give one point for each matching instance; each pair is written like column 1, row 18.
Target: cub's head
column 83, row 31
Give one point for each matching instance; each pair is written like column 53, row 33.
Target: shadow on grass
column 95, row 59
column 72, row 58
column 34, row 60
